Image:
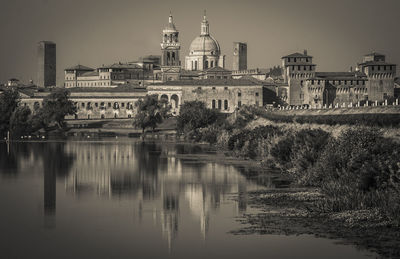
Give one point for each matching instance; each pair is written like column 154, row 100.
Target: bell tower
column 170, row 48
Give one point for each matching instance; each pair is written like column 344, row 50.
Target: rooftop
column 210, row 82
column 339, row 75
column 297, row 55
column 376, row 63
column 217, row 69
column 80, row 68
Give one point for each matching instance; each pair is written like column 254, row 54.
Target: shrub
column 360, row 170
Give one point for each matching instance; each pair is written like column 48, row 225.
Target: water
column 127, row 199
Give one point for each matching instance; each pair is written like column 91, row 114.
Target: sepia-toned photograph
column 204, row 129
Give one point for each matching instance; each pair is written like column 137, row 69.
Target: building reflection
column 156, row 181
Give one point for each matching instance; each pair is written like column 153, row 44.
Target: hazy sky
column 95, row 32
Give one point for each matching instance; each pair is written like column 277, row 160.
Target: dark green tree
column 20, row 123
column 56, row 106
column 195, row 115
column 9, row 101
column 150, row 112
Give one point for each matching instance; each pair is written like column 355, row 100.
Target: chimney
column 305, row 52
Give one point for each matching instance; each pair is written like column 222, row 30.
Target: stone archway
column 174, row 101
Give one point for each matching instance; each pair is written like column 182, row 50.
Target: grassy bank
column 356, row 168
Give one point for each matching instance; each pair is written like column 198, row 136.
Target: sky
column 337, row 33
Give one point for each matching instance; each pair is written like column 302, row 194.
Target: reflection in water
column 121, row 197
column 149, row 172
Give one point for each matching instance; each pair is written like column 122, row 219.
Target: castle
column 110, row 91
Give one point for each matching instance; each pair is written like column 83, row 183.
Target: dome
column 204, row 43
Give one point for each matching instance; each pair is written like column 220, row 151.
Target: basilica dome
column 204, row 44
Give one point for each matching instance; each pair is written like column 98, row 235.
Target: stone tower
column 46, row 64
column 296, row 69
column 170, row 48
column 239, row 56
column 380, row 76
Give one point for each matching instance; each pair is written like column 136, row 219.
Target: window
column 379, row 68
column 109, row 104
column 239, row 103
column 373, row 68
column 213, row 87
column 199, row 88
column 83, row 104
column 225, row 88
column 122, row 105
column 213, row 104
column 295, row 60
column 288, row 59
column 299, row 68
column 226, row 104
column 312, row 82
column 219, row 104
column 239, row 94
column 384, row 95
column 256, row 93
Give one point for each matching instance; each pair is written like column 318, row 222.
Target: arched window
column 195, row 65
column 212, row 64
column 226, row 104
column 213, row 104
column 206, row 64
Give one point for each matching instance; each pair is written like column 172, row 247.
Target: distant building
column 225, row 95
column 46, row 64
column 373, row 80
column 239, row 56
column 13, row 82
column 204, row 51
column 140, row 73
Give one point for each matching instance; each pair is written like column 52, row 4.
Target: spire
column 205, row 28
column 170, row 18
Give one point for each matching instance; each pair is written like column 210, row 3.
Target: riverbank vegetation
column 22, row 121
column 358, row 169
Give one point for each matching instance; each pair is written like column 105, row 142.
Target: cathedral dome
column 204, row 44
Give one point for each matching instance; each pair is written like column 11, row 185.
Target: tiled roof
column 122, row 66
column 297, row 55
column 217, row 69
column 90, row 73
column 107, row 89
column 376, row 63
column 339, row 75
column 298, row 63
column 208, row 82
column 80, row 68
column 374, row 54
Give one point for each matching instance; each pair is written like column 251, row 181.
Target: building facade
column 372, row 80
column 46, row 54
column 226, row 95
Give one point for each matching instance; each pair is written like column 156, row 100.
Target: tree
column 150, row 112
column 9, row 101
column 20, row 123
column 56, row 106
column 195, row 115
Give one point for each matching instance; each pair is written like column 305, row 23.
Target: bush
column 195, row 115
column 298, row 151
column 360, row 170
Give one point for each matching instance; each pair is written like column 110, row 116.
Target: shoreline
column 290, row 212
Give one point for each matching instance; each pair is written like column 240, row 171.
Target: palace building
column 372, row 80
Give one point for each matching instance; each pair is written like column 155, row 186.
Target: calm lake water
column 127, row 199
